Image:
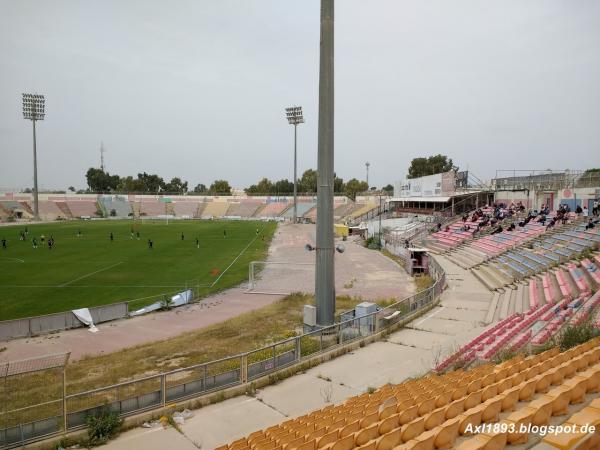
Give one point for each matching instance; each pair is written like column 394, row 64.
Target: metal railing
column 157, row 391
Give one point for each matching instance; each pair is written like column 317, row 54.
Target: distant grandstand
column 19, row 206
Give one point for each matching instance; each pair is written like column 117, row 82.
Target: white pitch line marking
column 89, row 274
column 13, row 259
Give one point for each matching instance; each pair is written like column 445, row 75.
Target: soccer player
column 3, row 243
column 224, row 234
column 78, row 232
column 150, row 244
column 197, row 243
column 182, row 237
column 34, row 242
column 42, row 238
column 132, row 233
column 112, row 237
column 257, row 231
column 138, row 235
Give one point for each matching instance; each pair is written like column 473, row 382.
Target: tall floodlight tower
column 294, row 117
column 33, row 109
column 324, row 270
column 367, row 164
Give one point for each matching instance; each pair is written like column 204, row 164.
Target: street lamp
column 294, row 117
column 33, row 109
column 367, row 164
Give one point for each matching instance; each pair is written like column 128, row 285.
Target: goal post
column 280, row 277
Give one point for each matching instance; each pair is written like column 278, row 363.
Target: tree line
column 102, row 181
column 99, row 180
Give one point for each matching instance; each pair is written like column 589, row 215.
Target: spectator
column 578, row 210
column 590, row 225
column 595, row 207
column 585, row 211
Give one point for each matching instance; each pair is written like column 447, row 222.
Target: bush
column 574, row 335
column 102, row 427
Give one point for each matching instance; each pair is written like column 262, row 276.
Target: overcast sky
column 197, row 89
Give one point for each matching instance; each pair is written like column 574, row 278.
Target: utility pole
column 102, row 151
column 368, row 164
column 325, row 270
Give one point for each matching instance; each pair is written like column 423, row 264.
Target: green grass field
column 91, row 270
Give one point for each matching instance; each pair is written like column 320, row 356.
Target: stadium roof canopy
column 420, row 199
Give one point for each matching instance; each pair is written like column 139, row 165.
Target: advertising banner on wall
column 440, row 184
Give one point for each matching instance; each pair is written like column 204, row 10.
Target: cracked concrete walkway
column 406, row 353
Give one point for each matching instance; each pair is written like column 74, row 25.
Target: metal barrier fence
column 156, row 391
column 30, row 326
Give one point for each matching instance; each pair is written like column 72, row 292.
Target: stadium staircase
column 26, row 207
column 441, row 411
column 65, row 209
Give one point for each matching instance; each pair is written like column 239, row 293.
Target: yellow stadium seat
column 309, row 445
column 544, row 381
column 523, row 416
column 369, row 420
column 491, row 409
column 346, row 443
column 579, row 387
column 366, row 434
column 527, row 389
column 389, row 440
column 485, row 442
column 435, row 418
column 471, row 417
column 510, row 397
column 388, row 424
column 412, row 429
column 292, row 445
column 426, row 406
column 542, row 408
column 455, row 408
column 327, row 439
column 488, row 392
column 408, row 415
column 473, row 399
column 447, row 433
column 564, row 441
column 443, row 399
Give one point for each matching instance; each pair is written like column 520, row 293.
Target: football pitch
column 85, row 268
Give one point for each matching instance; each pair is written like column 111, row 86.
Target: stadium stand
column 15, row 208
column 439, row 411
column 120, row 205
column 302, row 208
column 244, row 208
column 65, row 209
column 83, row 208
column 311, row 214
column 152, row 207
column 361, row 210
column 343, row 210
column 215, row 209
column 273, row 209
column 185, row 209
column 49, row 211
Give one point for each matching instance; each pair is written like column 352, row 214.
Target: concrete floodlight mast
column 295, row 117
column 325, row 270
column 34, row 110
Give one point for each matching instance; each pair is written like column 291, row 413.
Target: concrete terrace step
column 491, row 313
column 519, row 298
column 526, row 300
column 505, row 304
column 488, row 281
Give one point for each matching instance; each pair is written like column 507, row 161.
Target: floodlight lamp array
column 294, row 115
column 34, row 107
